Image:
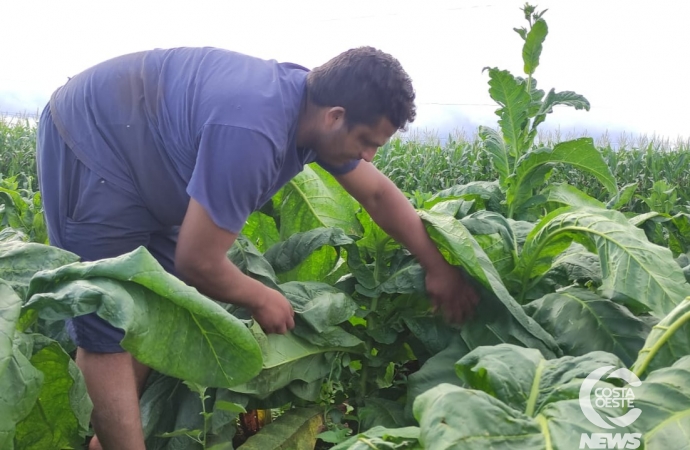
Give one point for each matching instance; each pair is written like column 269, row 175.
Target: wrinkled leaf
column 634, row 271
column 383, row 438
column 168, row 325
column 534, row 40
column 60, row 417
column 498, row 317
column 582, row 322
column 664, row 398
column 314, row 199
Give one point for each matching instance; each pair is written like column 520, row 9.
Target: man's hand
column 451, row 292
column 447, row 286
column 273, row 312
column 201, row 261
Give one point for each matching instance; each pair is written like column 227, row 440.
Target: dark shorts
column 89, row 216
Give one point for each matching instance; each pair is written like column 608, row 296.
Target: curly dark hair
column 368, row 83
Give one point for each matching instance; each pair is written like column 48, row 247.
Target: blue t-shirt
column 212, row 124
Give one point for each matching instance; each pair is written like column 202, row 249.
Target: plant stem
column 670, row 331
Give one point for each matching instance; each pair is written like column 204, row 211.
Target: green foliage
column 21, row 209
column 18, row 149
column 522, row 167
column 527, row 219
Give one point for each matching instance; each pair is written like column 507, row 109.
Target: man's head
column 363, row 97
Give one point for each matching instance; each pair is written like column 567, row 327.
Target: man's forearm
column 395, row 215
column 223, row 282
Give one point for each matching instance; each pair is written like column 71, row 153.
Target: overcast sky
column 629, row 58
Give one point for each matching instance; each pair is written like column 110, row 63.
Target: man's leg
column 115, row 382
column 93, row 219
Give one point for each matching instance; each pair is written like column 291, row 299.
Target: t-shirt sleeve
column 338, row 170
column 234, row 169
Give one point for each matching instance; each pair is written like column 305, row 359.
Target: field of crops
column 581, row 254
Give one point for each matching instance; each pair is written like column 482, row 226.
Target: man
column 173, row 149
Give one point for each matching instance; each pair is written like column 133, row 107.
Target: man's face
column 342, row 145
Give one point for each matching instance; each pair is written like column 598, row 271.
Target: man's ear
column 335, row 117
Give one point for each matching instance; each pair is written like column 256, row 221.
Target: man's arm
column 201, row 260
column 391, row 210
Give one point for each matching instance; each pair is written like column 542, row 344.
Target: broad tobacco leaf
column 310, row 255
column 383, row 438
column 487, row 193
column 60, row 417
column 634, row 271
column 20, row 382
column 518, row 400
column 251, row 262
column 168, row 325
column 531, row 50
column 314, row 199
column 287, row 358
column 512, row 95
column 495, row 235
column 304, row 355
column 261, row 230
column 571, row 196
column 20, row 386
column 498, row 317
column 438, row 369
column 530, row 170
column 19, row 261
column 496, row 148
column 582, row 322
column 664, row 398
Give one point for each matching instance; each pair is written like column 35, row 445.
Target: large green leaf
column 309, row 255
column 439, row 369
column 521, row 377
column 668, row 341
column 10, row 309
column 261, row 230
column 582, row 322
column 531, row 50
column 288, row 254
column 634, row 270
column 20, row 386
column 579, row 153
column 314, row 199
column 574, row 265
column 294, row 430
column 319, row 305
column 382, row 438
column 511, row 93
column 19, row 261
column 521, row 400
column 381, row 412
column 168, row 325
column 571, row 196
column 287, row 358
column 304, row 355
column 495, row 235
column 250, row 261
column 499, row 318
column 452, row 417
column 553, row 98
column 495, row 147
column 60, row 417
column 488, row 192
column 664, row 398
